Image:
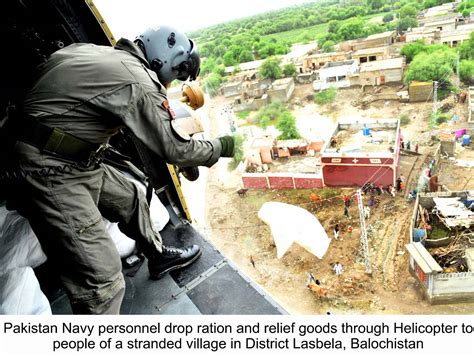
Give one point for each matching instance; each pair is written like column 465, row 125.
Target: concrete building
column 441, row 284
column 377, row 40
column 316, row 61
column 379, row 72
column 362, row 152
column 281, row 90
column 336, row 74
column 370, row 54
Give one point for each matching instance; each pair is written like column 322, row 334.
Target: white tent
column 290, row 223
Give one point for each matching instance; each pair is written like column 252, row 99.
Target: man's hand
column 228, row 146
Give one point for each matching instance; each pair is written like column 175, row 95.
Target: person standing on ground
column 336, row 232
column 338, row 269
column 349, row 231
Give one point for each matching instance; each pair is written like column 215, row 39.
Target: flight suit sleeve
column 150, row 121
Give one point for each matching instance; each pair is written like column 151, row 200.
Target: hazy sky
column 128, row 18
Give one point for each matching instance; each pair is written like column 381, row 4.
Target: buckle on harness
column 97, row 156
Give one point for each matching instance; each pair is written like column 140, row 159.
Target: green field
column 313, row 32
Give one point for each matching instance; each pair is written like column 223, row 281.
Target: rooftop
column 391, row 63
column 368, row 51
column 349, row 137
column 443, row 22
column 329, row 54
column 380, row 35
column 339, row 64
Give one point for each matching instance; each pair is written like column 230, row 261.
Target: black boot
column 173, row 258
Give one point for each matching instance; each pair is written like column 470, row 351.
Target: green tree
column 333, row 26
column 245, row 56
column 406, row 23
column 325, row 96
column 238, row 152
column 466, row 49
column 270, row 68
column 387, row 18
column 289, row 70
column 229, row 59
column 410, row 50
column 429, row 3
column 327, row 47
column 351, row 29
column 212, row 83
column 287, row 126
column 438, row 66
column 270, row 113
column 375, row 4
column 408, row 11
column 466, row 71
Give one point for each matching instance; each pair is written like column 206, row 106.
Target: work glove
column 228, row 146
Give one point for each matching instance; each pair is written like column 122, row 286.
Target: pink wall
column 281, row 181
column 351, row 175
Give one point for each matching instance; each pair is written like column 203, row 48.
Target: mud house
column 379, row 72
column 440, row 18
column 441, row 247
column 429, row 36
column 261, row 151
column 242, row 104
column 420, row 91
column 456, row 37
column 362, row 152
column 246, row 66
column 370, row 54
column 316, row 61
column 281, row 90
column 438, row 13
column 297, row 53
column 336, row 74
column 232, row 89
column 377, row 40
column 441, row 25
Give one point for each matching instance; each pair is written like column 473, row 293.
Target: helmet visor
column 191, row 67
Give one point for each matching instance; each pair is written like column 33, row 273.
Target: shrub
column 404, row 120
column 289, row 70
column 388, row 18
column 239, row 152
column 466, row 71
column 325, row 96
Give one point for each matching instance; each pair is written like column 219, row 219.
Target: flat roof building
column 361, row 152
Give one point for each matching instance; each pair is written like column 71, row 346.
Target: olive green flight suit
column 91, row 92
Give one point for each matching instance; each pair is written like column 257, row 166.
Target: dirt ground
column 233, row 226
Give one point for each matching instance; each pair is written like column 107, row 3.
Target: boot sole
column 174, row 268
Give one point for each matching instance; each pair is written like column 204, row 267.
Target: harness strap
column 55, row 141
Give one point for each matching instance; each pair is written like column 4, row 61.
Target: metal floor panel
column 146, row 296
column 227, row 292
column 209, row 286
